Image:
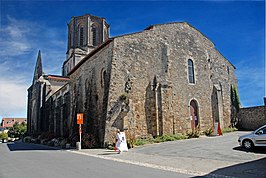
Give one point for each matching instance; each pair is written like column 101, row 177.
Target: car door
column 260, row 137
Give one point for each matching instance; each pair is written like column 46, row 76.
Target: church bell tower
column 85, row 33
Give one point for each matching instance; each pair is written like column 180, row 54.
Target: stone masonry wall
column 154, row 65
column 252, row 118
column 89, row 88
column 222, row 74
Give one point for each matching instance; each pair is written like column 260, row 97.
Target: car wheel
column 247, row 144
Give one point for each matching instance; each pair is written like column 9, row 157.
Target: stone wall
column 89, row 87
column 252, row 118
column 138, row 82
column 221, row 73
column 154, row 64
column 34, row 105
column 56, row 113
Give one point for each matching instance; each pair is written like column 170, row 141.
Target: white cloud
column 20, row 41
column 251, row 84
column 14, row 39
column 21, row 37
column 13, row 91
column 13, row 98
column 17, row 29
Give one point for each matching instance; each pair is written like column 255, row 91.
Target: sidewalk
column 191, row 166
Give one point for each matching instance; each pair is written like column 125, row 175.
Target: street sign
column 80, row 118
column 79, row 122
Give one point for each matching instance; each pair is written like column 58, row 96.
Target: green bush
column 208, row 132
column 180, row 137
column 18, row 130
column 230, row 129
column 139, row 142
column 164, row 138
column 160, row 139
column 193, row 134
column 3, row 136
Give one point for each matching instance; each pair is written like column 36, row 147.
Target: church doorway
column 194, row 114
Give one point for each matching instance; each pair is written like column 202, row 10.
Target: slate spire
column 38, row 67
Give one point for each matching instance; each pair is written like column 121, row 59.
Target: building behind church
column 166, row 79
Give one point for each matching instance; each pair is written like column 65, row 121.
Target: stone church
column 167, row 79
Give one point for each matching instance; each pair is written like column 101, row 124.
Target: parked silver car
column 256, row 138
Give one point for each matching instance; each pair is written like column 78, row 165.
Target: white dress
column 118, row 141
column 123, row 142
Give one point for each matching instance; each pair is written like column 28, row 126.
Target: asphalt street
column 219, row 156
column 20, row 160
column 202, row 157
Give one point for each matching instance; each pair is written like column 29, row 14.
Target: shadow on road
column 243, row 170
column 19, row 146
column 108, row 152
column 259, row 150
column 114, row 153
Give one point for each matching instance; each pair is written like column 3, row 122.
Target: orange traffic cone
column 219, row 129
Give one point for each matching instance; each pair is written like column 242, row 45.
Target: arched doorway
column 194, row 114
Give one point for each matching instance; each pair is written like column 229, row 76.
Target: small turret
column 38, row 68
column 85, row 33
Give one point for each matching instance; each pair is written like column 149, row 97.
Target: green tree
column 235, row 106
column 18, row 130
column 235, row 99
column 3, row 136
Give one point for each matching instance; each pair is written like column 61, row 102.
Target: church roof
column 155, row 25
column 9, row 122
column 86, row 15
column 90, row 55
column 38, row 67
column 57, row 77
column 89, row 15
column 148, row 28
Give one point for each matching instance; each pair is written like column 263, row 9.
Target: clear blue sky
column 237, row 28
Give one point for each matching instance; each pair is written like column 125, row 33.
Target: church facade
column 166, row 79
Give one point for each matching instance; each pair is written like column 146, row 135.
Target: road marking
column 165, row 168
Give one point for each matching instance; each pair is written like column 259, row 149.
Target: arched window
column 103, row 78
column 191, row 76
column 69, row 41
column 94, row 35
column 81, row 36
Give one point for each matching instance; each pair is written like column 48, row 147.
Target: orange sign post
column 80, row 121
column 80, row 118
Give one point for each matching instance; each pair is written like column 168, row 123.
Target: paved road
column 207, row 156
column 19, row 160
column 213, row 155
column 203, row 157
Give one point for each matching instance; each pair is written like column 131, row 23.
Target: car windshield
column 261, row 130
